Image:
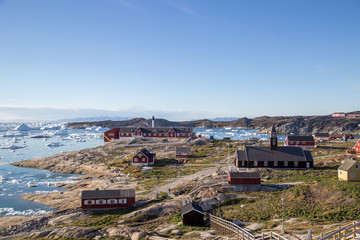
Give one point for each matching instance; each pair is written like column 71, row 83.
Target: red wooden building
column 107, row 199
column 148, row 132
column 236, row 178
column 305, row 141
column 355, row 149
column 143, row 158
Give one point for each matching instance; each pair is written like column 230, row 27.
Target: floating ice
column 29, row 212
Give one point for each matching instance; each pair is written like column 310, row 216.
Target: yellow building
column 349, row 171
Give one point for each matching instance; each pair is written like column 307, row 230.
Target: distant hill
column 284, row 125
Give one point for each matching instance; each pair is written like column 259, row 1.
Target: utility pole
column 283, row 225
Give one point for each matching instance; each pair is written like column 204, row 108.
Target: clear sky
column 184, row 59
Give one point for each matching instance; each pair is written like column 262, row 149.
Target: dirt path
column 178, row 180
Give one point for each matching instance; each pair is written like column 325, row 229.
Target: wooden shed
column 107, row 199
column 349, row 171
column 182, row 152
column 249, row 178
column 192, row 215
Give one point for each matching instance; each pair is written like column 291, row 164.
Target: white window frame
column 296, row 164
column 112, row 201
column 275, row 163
column 286, row 164
column 89, row 202
column 135, row 159
column 100, row 202
column 255, row 163
column 353, row 175
column 265, row 163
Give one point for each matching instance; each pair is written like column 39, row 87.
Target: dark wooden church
column 274, row 156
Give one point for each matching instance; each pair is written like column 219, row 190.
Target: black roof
column 300, row 138
column 94, row 194
column 191, row 207
column 146, row 153
column 282, row 154
column 321, row 134
column 244, row 175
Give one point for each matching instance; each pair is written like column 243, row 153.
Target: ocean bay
column 17, row 181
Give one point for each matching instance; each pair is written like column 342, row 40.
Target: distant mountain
column 284, row 125
column 94, row 119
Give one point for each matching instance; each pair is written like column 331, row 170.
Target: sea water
column 15, row 181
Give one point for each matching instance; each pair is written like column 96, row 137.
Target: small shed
column 249, row 178
column 192, row 215
column 182, row 152
column 107, row 199
column 349, row 171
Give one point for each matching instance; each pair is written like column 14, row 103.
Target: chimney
column 153, row 122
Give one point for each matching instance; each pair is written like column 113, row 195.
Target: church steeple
column 273, row 138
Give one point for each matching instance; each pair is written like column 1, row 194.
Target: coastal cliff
column 284, row 125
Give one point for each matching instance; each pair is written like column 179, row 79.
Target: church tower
column 273, row 139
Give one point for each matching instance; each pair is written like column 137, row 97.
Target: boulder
column 138, row 235
column 68, row 218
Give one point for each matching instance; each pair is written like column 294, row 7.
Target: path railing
column 344, row 232
column 225, row 227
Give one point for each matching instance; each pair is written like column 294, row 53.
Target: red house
column 236, row 178
column 107, row 199
column 305, row 141
column 143, row 158
column 357, row 147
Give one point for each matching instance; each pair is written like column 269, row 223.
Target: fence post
column 270, row 235
column 262, row 236
column 354, row 229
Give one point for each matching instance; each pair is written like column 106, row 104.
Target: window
column 89, row 202
column 143, row 160
column 255, row 163
column 297, row 142
column 352, row 175
column 112, row 201
column 340, row 172
column 144, row 134
column 296, row 164
column 265, row 163
column 135, row 160
column 101, row 201
column 243, row 163
column 285, row 164
column 125, row 200
column 356, row 166
column 275, row 164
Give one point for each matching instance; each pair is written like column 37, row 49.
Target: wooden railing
column 225, row 227
column 344, row 232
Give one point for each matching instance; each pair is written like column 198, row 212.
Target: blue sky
column 178, row 59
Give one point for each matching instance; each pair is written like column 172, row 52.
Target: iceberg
column 23, row 127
